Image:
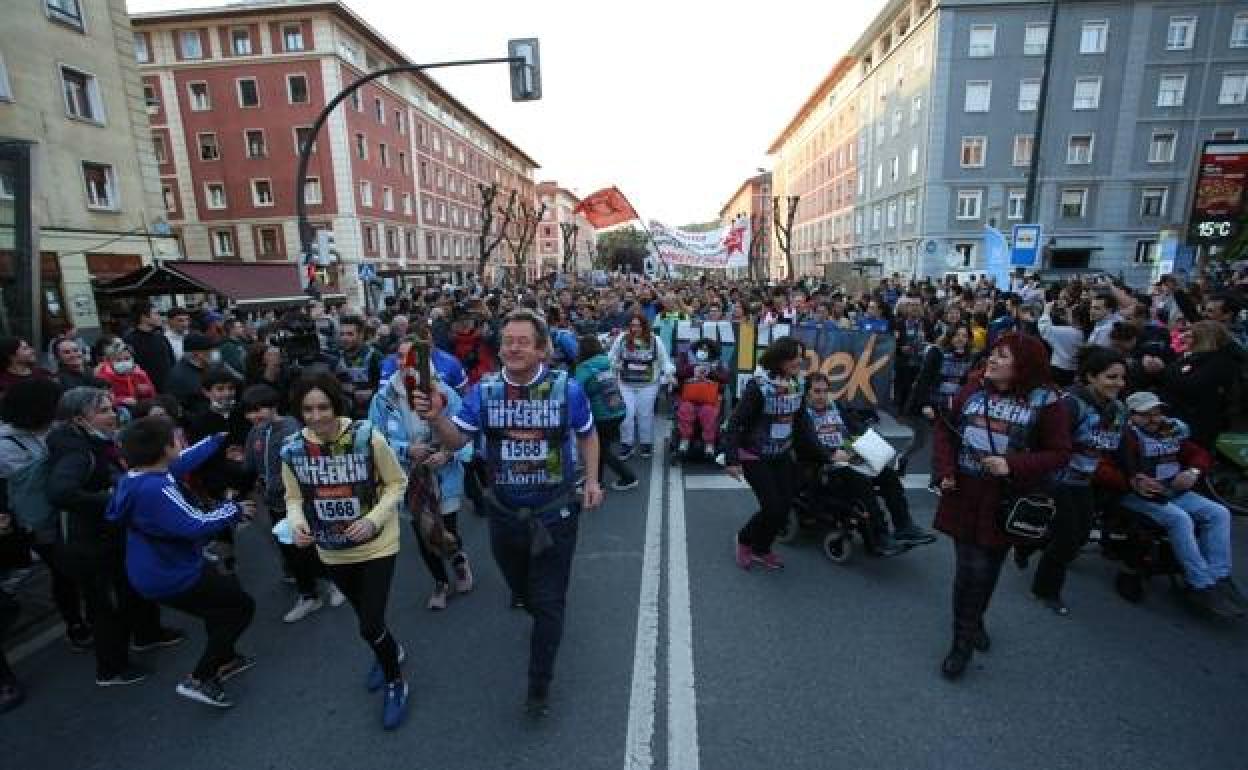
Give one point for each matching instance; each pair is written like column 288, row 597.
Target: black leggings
column 366, row 584
column 608, row 434
column 226, row 609
column 9, row 610
column 1067, row 535
column 433, row 560
column 303, row 564
column 774, row 481
column 978, row 567
column 65, row 592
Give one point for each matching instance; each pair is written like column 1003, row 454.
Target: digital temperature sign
column 1221, row 181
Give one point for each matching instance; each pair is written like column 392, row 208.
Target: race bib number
column 636, row 367
column 781, row 430
column 530, row 450
column 338, row 509
column 1167, row 471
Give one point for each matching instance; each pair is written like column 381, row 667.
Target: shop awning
column 243, row 283
column 150, row 281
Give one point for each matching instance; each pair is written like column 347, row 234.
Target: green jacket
column 602, row 386
column 234, row 353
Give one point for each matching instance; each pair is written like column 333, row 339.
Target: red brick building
column 549, row 245
column 231, row 93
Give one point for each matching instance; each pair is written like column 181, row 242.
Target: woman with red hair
column 1007, row 426
column 641, row 360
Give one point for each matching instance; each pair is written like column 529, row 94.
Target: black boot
column 981, row 641
column 957, row 660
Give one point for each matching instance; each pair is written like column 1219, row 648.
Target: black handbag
column 1027, row 516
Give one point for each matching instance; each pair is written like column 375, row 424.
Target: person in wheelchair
column 834, row 428
column 700, row 380
column 1154, row 453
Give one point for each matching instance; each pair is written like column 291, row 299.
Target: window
column 1171, row 90
column 302, row 135
column 914, row 159
column 894, row 169
column 1094, row 36
column 66, row 12
column 983, row 40
column 1161, row 148
column 240, row 41
column 1181, row 34
column 392, row 240
column 437, row 141
column 255, row 143
column 1087, row 93
column 387, row 199
column 312, row 190
column 214, row 195
column 896, row 127
column 355, row 101
column 1028, row 94
column 297, row 89
column 208, row 149
column 446, row 247
column 403, row 162
column 424, row 173
column 6, row 91
column 379, row 110
column 858, row 223
column 407, row 204
column 292, row 37
column 890, row 217
column 1224, row 135
column 267, row 241
column 920, row 55
column 442, row 213
column 427, row 208
column 262, row 192
column 1239, row 31
column 879, row 175
column 142, row 53
column 978, row 95
column 150, row 99
column 1079, row 149
column 361, row 147
column 1036, row 40
column 1145, row 251
column 399, row 122
column 876, row 218
column 190, row 44
column 199, row 96
column 101, row 184
column 973, row 151
column 366, row 194
column 383, row 154
column 911, row 205
column 223, row 243
column 1073, row 202
column 158, row 149
column 1016, row 204
column 1024, row 145
column 82, row 95
column 370, row 238
column 880, row 130
column 916, row 110
column 969, row 202
column 1234, row 86
column 1153, row 202
column 248, row 93
column 170, row 199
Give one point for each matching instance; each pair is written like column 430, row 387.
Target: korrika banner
column 723, row 247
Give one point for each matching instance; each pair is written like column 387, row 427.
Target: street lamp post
column 526, row 85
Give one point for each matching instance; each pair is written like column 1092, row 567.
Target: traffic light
column 326, row 250
column 526, row 75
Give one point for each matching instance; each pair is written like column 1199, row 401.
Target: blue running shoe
column 377, row 677
column 395, row 706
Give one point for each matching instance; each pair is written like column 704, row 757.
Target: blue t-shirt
column 446, row 365
column 580, row 423
column 869, row 324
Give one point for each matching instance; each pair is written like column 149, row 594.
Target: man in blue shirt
column 528, row 422
column 874, row 320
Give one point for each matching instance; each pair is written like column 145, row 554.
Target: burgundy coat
column 969, row 513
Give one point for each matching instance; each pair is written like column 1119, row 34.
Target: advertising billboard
column 1218, row 205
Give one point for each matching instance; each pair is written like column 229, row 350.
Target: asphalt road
column 817, row 666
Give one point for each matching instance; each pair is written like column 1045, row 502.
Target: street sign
column 1026, row 245
column 367, row 271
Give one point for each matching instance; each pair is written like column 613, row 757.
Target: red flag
column 606, row 207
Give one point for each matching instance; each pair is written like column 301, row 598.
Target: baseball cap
column 1143, row 402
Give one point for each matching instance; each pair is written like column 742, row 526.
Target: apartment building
column 947, row 98
column 69, row 94
column 232, row 92
column 549, row 246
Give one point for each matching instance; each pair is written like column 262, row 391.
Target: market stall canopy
column 243, row 283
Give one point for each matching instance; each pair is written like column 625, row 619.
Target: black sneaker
column 1211, row 600
column 208, row 691
column 1231, row 593
column 981, row 641
column 885, row 546
column 234, row 667
column 130, row 675
column 79, row 637
column 955, row 663
column 517, row 602
column 11, row 695
column 537, row 703
column 168, row 637
column 620, row 485
column 913, row 534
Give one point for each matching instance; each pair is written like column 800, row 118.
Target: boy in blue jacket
column 165, row 535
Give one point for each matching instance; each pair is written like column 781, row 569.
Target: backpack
column 27, row 491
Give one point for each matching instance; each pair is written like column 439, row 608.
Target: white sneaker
column 336, row 597
column 684, row 446
column 303, row 608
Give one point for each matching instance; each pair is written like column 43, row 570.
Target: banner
column 860, row 364
column 723, row 247
column 606, row 208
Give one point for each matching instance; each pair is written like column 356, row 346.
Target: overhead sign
column 1218, row 208
column 722, row 247
column 1026, row 248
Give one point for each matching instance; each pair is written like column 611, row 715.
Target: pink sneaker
column 745, row 556
column 770, row 560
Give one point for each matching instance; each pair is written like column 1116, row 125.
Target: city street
column 817, row 666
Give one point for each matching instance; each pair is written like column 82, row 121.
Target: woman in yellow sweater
column 343, row 485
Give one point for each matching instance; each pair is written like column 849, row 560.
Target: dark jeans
column 541, row 581
column 774, row 481
column 116, row 613
column 9, row 610
column 303, row 564
column 852, row 484
column 974, row 581
column 65, row 592
column 903, row 382
column 1067, row 535
column 608, row 434
column 366, row 584
column 433, row 560
column 226, row 609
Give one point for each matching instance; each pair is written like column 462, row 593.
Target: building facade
column 70, row 91
column 752, row 199
column 395, row 172
column 551, row 252
column 945, row 98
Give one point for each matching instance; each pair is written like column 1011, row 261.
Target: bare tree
column 527, row 221
column 486, row 245
column 569, row 230
column 758, row 237
column 784, row 230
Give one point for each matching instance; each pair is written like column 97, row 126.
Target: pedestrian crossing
column 706, row 482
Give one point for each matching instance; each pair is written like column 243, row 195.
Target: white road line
column 638, row 749
column 682, row 699
column 702, row 482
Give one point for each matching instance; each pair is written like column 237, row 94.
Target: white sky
column 675, row 102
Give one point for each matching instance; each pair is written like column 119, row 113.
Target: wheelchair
column 836, row 522
column 1138, row 544
column 699, row 450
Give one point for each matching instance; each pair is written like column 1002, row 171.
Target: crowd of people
column 130, row 463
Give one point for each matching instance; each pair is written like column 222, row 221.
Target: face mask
column 702, row 355
column 123, row 367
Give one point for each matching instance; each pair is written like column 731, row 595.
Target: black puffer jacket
column 1198, row 387
column 82, row 469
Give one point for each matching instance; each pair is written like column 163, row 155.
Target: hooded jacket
column 390, row 414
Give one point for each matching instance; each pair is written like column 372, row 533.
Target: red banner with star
column 606, row 207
